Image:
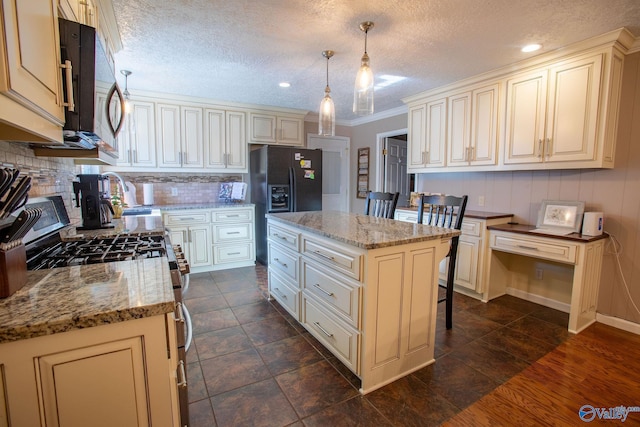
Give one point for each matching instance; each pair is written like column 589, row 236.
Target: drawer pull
column 233, row 232
column 233, row 253
column 323, row 329
column 280, row 262
column 231, row 216
column 281, row 237
column 280, row 294
column 186, row 219
column 330, row 258
column 180, row 318
column 183, row 375
column 317, row 285
column 531, row 248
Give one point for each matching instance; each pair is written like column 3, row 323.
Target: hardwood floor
column 597, row 367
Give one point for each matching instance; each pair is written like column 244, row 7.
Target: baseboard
column 547, row 302
column 616, row 322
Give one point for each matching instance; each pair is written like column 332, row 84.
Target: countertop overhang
column 363, row 231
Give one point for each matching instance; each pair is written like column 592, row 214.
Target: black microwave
column 95, row 111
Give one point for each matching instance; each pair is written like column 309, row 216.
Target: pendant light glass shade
column 363, row 90
column 327, row 115
column 125, row 93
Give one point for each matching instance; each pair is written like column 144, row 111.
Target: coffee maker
column 92, row 195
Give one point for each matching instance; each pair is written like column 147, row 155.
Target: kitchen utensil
column 34, row 216
column 17, row 197
column 9, row 234
column 8, row 176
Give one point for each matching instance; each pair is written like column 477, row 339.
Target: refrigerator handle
column 292, row 191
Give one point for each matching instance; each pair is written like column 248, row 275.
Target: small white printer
column 592, row 223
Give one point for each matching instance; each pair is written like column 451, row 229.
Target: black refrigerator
column 283, row 179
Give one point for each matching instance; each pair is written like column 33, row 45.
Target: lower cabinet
column 363, row 305
column 214, row 239
column 120, row 374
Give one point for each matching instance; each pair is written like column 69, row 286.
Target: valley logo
column 588, row 413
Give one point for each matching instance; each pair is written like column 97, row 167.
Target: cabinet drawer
column 230, row 233
column 554, row 250
column 232, row 215
column 471, row 227
column 286, row 294
column 332, row 255
column 187, row 217
column 339, row 295
column 283, row 236
column 233, row 253
column 341, row 340
column 406, row 216
column 283, row 261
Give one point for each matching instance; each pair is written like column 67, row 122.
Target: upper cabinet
column 31, row 104
column 428, row 131
column 555, row 111
column 226, row 140
column 136, row 142
column 283, row 129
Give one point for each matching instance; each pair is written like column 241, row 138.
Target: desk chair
column 445, row 211
column 382, row 205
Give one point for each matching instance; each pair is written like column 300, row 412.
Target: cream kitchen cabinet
column 116, row 374
column 284, row 261
column 564, row 113
column 82, row 11
column 233, row 239
column 473, row 127
column 180, row 136
column 267, row 128
column 136, row 142
column 31, row 101
column 472, row 249
column 427, row 135
column 225, row 140
column 191, row 229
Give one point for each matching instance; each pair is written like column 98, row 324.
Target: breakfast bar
column 365, row 287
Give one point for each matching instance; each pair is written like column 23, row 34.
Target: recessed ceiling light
column 531, row 47
column 285, row 84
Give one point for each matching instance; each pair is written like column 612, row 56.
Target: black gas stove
column 98, row 250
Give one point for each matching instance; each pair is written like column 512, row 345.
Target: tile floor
column 252, row 364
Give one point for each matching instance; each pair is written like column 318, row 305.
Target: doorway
column 392, row 165
column 335, row 170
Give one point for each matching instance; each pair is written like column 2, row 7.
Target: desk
column 583, row 253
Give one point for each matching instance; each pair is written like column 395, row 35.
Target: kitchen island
column 92, row 342
column 365, row 287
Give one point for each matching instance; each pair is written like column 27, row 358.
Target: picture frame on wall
column 363, row 173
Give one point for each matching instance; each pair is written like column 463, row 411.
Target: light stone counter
column 132, row 224
column 363, row 231
column 67, row 298
column 212, row 205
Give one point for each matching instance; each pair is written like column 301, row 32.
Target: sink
column 136, row 211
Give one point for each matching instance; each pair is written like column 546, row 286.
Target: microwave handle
column 68, row 76
column 115, row 90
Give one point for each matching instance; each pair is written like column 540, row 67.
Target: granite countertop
column 363, row 231
column 210, row 205
column 67, row 298
column 467, row 213
column 145, row 224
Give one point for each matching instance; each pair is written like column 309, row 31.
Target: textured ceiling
column 239, row 50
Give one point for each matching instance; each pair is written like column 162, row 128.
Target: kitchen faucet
column 124, row 186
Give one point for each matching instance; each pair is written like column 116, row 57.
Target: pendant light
column 363, row 91
column 127, row 106
column 327, row 117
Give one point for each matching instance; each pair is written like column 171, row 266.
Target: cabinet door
column 263, row 128
column 436, row 135
column 97, row 385
column 215, row 137
column 459, row 127
column 467, row 262
column 236, row 140
column 31, row 74
column 525, row 122
column 572, row 113
column 484, row 125
column 416, row 151
column 290, row 131
column 192, row 154
column 200, row 245
column 123, row 141
column 88, row 13
column 142, row 135
column 70, row 9
column 168, row 134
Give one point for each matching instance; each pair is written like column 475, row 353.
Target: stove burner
column 99, row 250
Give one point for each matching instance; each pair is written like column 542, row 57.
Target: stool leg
column 449, row 292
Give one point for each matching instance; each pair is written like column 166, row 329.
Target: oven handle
column 185, row 283
column 189, row 325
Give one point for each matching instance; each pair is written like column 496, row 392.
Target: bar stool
column 445, row 211
column 382, row 205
